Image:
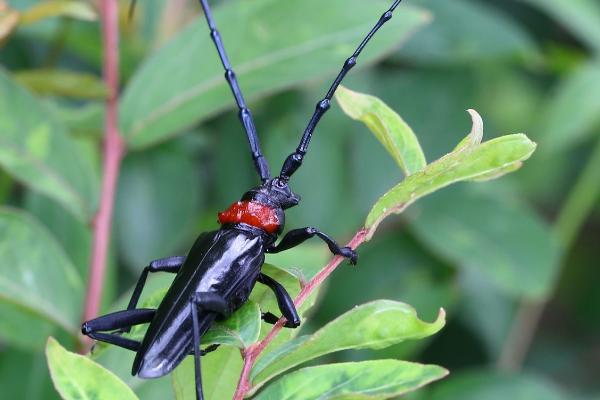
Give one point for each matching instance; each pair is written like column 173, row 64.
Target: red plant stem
column 252, row 353
column 113, row 151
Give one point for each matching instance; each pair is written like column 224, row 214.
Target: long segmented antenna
column 294, row 160
column 245, row 116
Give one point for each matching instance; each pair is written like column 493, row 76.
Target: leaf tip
column 440, row 321
column 441, row 315
column 51, row 345
column 476, row 133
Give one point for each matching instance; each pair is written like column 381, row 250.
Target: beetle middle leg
column 210, row 302
column 284, row 300
column 296, row 236
column 97, row 328
column 169, row 264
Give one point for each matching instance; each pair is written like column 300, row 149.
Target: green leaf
column 21, row 329
column 59, row 8
column 264, row 296
column 485, row 35
column 374, row 325
column 488, row 385
column 77, row 377
column 502, row 239
column 379, row 379
column 35, row 148
column 153, row 216
column 304, row 262
column 36, row 278
column 486, row 310
column 271, row 53
column 81, row 119
column 387, row 126
column 24, row 375
column 60, row 82
column 119, row 361
column 572, row 112
column 220, row 373
column 471, row 160
column 582, row 17
column 74, row 236
column 241, row 329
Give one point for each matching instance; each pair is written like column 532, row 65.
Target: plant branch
column 252, row 353
column 575, row 210
column 113, row 151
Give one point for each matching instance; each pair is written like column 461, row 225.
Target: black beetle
column 222, row 267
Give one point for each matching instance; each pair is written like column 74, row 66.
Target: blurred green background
column 513, row 262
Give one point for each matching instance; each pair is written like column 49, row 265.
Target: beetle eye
column 279, row 183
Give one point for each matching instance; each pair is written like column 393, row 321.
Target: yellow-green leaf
column 59, row 82
column 469, row 161
column 241, row 329
column 374, row 325
column 387, row 126
column 76, row 377
column 220, row 373
column 376, row 379
column 59, row 8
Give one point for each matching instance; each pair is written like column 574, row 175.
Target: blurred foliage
column 476, row 250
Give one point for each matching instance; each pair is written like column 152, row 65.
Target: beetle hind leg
column 100, row 328
column 284, row 301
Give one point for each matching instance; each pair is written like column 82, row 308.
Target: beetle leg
column 169, row 264
column 211, row 302
column 119, row 320
column 196, row 305
column 284, row 301
column 296, row 236
column 207, row 349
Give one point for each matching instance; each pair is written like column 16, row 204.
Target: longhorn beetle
column 222, row 267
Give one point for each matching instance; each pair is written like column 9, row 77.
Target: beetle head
column 276, row 192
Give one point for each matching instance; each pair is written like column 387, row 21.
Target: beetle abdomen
column 225, row 262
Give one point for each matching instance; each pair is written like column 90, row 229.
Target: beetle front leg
column 296, row 236
column 284, row 300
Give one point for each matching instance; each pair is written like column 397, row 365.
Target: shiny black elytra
column 222, row 267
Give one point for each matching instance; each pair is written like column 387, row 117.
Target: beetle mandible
column 220, row 270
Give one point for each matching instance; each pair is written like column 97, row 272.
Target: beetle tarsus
column 284, row 301
column 297, row 236
column 272, row 319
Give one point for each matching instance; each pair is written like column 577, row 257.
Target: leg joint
column 229, row 75
column 324, row 104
